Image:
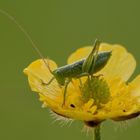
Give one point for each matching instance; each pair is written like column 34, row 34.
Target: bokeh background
column 58, row 27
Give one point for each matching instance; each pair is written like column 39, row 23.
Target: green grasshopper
column 84, row 67
column 64, row 75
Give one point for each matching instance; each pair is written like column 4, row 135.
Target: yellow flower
column 107, row 95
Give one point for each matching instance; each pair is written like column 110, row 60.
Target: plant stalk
column 97, row 133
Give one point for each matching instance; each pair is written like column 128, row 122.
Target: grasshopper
column 85, row 67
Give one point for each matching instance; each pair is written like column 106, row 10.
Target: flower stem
column 97, row 135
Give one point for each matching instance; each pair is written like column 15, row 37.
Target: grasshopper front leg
column 65, row 90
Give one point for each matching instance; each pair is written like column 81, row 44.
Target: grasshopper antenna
column 28, row 37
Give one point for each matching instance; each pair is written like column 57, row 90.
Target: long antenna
column 27, row 35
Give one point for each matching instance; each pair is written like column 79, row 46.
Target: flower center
column 97, row 89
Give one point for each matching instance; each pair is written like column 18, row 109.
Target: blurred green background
column 58, row 27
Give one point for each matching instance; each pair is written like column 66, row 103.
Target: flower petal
column 40, row 70
column 38, row 75
column 134, row 87
column 125, row 101
column 79, row 54
column 121, row 64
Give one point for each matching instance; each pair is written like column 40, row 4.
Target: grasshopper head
column 59, row 77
